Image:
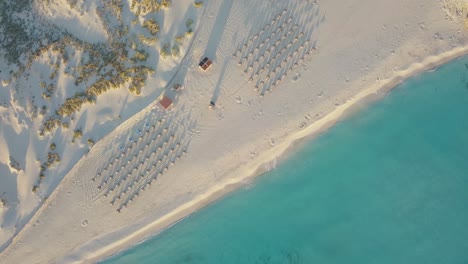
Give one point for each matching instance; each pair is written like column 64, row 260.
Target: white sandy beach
column 151, row 167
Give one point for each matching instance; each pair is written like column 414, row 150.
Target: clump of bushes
column 52, row 158
column 90, row 142
column 50, row 124
column 166, row 3
column 85, row 71
column 180, row 39
column 103, row 84
column 146, row 40
column 14, row 164
column 140, row 55
column 77, row 134
column 175, row 51
column 165, row 50
column 198, row 4
column 43, row 110
column 49, row 90
column 74, row 104
column 143, row 7
column 152, row 26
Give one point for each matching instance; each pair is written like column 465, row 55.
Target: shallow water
column 387, row 185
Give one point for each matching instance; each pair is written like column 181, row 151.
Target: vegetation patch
column 52, row 158
column 74, row 104
column 14, row 164
column 165, row 51
column 175, row 51
column 77, row 134
column 180, row 38
column 152, row 26
column 189, row 24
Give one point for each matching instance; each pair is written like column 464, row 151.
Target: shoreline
column 250, row 171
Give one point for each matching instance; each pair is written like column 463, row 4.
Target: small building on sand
column 165, row 102
column 205, row 63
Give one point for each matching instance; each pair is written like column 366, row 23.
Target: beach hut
column 166, row 102
column 205, row 63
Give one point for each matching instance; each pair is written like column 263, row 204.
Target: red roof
column 166, row 102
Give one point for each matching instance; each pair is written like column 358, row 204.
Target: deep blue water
column 387, row 185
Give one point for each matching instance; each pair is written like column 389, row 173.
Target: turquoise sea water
column 387, row 185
